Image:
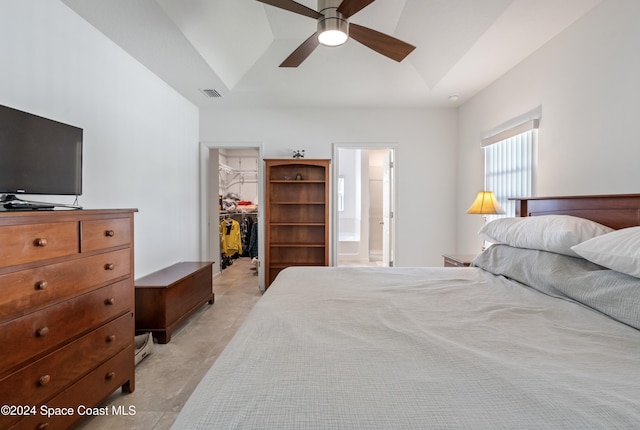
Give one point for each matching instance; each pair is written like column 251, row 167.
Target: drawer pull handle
column 110, row 375
column 109, row 266
column 109, row 301
column 40, row 242
column 44, row 380
column 111, row 338
column 109, row 233
column 42, row 331
column 43, row 426
column 41, row 285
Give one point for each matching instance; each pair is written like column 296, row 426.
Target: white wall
column 140, row 136
column 586, row 81
column 426, row 154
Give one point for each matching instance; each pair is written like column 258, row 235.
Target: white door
column 388, row 218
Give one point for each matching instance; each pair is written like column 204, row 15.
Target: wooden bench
column 166, row 298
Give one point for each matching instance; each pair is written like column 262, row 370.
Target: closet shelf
column 232, row 171
column 237, row 213
column 230, row 176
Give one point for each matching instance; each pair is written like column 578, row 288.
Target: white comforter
column 423, row 348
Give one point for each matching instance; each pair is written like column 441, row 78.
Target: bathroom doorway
column 364, row 201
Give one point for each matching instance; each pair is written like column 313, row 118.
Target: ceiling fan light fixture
column 333, row 29
column 332, row 37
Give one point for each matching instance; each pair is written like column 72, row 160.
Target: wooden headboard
column 616, row 210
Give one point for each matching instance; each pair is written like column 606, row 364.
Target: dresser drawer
column 39, row 332
column 41, row 380
column 30, row 290
column 105, row 233
column 35, row 242
column 90, row 390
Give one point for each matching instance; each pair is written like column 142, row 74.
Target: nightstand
column 458, row 260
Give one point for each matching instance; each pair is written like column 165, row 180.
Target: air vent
column 211, row 93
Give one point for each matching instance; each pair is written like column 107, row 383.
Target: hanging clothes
column 230, row 240
column 253, row 241
column 245, row 233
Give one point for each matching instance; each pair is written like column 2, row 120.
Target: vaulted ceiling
column 235, row 47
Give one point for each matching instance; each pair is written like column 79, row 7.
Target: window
column 510, row 163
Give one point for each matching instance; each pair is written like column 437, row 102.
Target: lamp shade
column 485, row 204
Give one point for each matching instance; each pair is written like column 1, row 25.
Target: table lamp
column 485, row 204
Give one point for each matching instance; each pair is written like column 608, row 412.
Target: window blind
column 510, row 164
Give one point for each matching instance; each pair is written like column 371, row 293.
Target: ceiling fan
column 334, row 29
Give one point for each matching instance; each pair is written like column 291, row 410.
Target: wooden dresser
column 66, row 313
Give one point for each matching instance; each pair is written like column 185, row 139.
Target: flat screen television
column 38, row 156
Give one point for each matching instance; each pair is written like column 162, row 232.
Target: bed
column 533, row 336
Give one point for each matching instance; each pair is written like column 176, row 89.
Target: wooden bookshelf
column 296, row 214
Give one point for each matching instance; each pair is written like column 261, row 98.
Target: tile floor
column 166, row 378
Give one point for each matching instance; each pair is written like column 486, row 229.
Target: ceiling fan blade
column 381, row 43
column 295, row 7
column 351, row 7
column 302, row 52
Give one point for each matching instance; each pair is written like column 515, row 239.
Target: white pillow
column 619, row 250
column 553, row 233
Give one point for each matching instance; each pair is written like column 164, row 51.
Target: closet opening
column 231, row 187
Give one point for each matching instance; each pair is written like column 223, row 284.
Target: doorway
column 364, row 203
column 231, row 190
